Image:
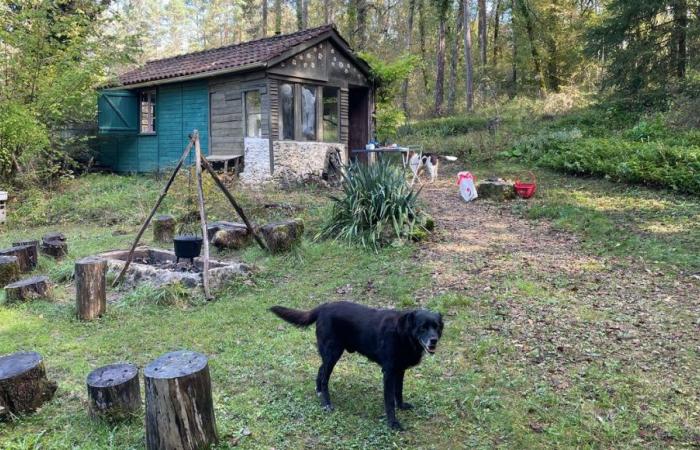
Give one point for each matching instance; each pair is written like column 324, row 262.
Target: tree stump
column 24, row 256
column 179, row 407
column 164, row 228
column 56, row 247
column 28, row 289
column 23, row 384
column 496, row 189
column 229, row 235
column 33, row 251
column 114, row 392
column 9, row 269
column 90, row 287
column 283, row 236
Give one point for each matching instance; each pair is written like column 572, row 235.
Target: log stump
column 179, row 406
column 28, row 289
column 230, row 235
column 56, row 248
column 283, row 236
column 90, row 287
column 9, row 269
column 23, row 384
column 164, row 228
column 114, row 392
column 24, row 256
column 496, row 189
column 33, row 250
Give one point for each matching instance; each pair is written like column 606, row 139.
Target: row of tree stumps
column 177, row 385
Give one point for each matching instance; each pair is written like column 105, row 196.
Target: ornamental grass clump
column 376, row 208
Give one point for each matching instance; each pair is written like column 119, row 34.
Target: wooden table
column 403, row 151
column 226, row 159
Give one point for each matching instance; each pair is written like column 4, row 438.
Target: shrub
column 377, row 208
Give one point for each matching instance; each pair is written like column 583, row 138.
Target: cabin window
column 308, row 112
column 331, row 114
column 148, row 112
column 286, row 93
column 253, row 114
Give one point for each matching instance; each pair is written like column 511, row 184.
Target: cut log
column 283, row 236
column 54, row 236
column 230, row 235
column 114, row 392
column 24, row 256
column 496, row 189
column 179, row 407
column 9, row 269
column 28, row 289
column 23, row 384
column 33, row 251
column 90, row 288
column 55, row 248
column 164, row 228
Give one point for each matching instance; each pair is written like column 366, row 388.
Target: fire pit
column 160, row 267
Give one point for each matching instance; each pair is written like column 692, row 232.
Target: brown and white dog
column 420, row 162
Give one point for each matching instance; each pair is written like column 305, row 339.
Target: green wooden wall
column 180, row 108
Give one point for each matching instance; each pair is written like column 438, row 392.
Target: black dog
column 393, row 339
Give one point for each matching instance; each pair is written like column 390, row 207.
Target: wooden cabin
column 280, row 105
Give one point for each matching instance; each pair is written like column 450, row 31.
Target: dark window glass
column 286, row 111
column 308, row 112
column 253, row 114
column 148, row 111
column 331, row 124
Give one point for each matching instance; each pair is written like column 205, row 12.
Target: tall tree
column 409, row 41
column 483, row 35
column 496, row 29
column 454, row 61
column 264, row 18
column 421, row 39
column 469, row 79
column 278, row 16
column 679, row 50
column 442, row 7
column 300, row 14
column 530, row 28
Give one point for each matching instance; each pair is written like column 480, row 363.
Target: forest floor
column 572, row 320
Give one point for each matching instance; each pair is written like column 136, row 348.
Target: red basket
column 526, row 189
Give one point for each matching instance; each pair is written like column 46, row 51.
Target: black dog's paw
column 404, row 406
column 328, row 408
column 395, row 425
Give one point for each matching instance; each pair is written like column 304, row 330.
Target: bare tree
column 454, row 61
column 467, row 28
column 496, row 26
column 442, row 6
column 483, row 36
column 264, row 18
column 278, row 16
column 409, row 41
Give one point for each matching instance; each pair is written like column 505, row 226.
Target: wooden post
column 114, row 392
column 28, row 289
column 9, row 269
column 179, row 406
column 24, row 256
column 90, row 289
column 23, row 384
column 33, row 250
column 202, row 216
column 164, row 228
column 233, row 202
column 153, row 211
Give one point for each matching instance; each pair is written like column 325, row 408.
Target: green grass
column 482, row 389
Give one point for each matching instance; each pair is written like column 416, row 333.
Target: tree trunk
column 483, row 36
column 360, row 31
column 421, row 39
column 300, row 14
column 23, row 384
column 496, row 26
column 114, row 392
column 454, row 62
column 409, row 41
column 278, row 16
column 23, row 253
column 164, row 228
column 529, row 27
column 467, row 28
column 33, row 251
column 440, row 63
column 90, row 288
column 264, row 18
column 679, row 39
column 552, row 64
column 28, row 289
column 514, row 62
column 179, row 406
column 326, row 11
column 305, row 14
column 9, row 270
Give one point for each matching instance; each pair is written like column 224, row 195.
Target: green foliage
column 377, row 207
column 21, row 136
column 446, row 126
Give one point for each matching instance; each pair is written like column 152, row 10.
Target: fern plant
column 376, row 208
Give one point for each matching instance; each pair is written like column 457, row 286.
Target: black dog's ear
column 441, row 325
column 407, row 322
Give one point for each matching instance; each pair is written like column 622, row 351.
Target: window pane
column 331, row 124
column 253, row 117
column 308, row 112
column 286, row 111
column 148, row 109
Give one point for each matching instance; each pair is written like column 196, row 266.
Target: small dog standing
column 393, row 339
column 423, row 162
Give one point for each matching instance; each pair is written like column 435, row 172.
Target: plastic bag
column 467, row 188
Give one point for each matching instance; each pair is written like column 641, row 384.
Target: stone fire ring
column 157, row 267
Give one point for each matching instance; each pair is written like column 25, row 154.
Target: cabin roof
column 234, row 58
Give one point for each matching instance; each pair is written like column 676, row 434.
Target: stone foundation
column 256, row 160
column 297, row 162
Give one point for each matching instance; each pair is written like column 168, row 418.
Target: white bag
column 467, row 188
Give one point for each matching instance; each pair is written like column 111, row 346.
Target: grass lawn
column 571, row 321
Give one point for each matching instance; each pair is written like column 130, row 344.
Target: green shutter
column 118, row 112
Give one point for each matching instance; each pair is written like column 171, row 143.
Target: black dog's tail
column 296, row 317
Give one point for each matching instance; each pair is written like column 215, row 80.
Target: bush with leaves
column 377, row 208
column 22, row 136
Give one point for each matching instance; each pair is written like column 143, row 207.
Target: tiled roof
column 228, row 57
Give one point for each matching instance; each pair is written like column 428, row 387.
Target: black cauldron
column 187, row 247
